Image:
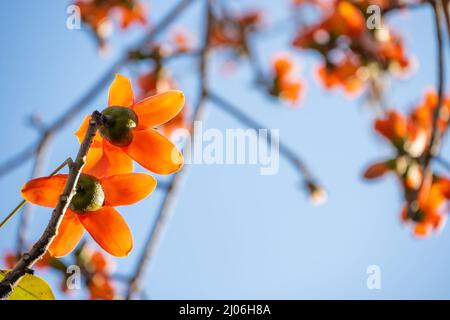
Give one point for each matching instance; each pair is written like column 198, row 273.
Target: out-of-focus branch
column 41, row 246
column 433, row 147
column 26, row 211
column 404, row 5
column 32, row 150
column 446, row 9
column 285, row 151
column 175, row 186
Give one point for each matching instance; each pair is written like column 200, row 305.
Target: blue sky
column 234, row 233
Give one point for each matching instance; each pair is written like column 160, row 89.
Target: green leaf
column 30, row 287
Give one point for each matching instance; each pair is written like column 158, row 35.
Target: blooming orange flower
column 129, row 133
column 92, row 208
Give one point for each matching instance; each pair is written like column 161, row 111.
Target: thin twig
column 37, row 171
column 41, row 246
column 166, row 208
column 285, row 151
column 23, row 156
column 433, row 147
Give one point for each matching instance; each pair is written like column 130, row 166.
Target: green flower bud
column 89, row 195
column 119, row 125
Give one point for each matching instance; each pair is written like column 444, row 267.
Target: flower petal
column 109, row 229
column 126, row 189
column 81, row 132
column 112, row 161
column 154, row 152
column 159, row 109
column 69, row 234
column 44, row 191
column 120, row 92
column 93, row 156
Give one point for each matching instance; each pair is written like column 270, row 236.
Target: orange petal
column 120, row 92
column 69, row 234
column 109, row 229
column 94, row 155
column 81, row 132
column 44, row 191
column 154, row 152
column 159, row 109
column 112, row 161
column 126, row 189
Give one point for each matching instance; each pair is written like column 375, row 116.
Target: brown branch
column 433, row 147
column 446, row 9
column 403, row 5
column 285, row 151
column 23, row 156
column 26, row 211
column 175, row 186
column 41, row 246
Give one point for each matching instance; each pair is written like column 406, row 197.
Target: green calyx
column 118, row 125
column 89, row 195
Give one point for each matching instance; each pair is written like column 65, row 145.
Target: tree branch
column 177, row 181
column 41, row 246
column 433, row 147
column 285, row 151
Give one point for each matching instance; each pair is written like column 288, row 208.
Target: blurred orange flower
column 284, row 84
column 429, row 215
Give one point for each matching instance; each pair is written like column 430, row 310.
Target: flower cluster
column 410, row 137
column 97, row 14
column 128, row 133
column 352, row 52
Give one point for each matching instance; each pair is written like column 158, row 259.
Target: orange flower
column 344, row 19
column 422, row 116
column 98, row 280
column 285, row 85
column 393, row 126
column 429, row 216
column 100, row 286
column 343, row 74
column 92, row 208
column 402, row 132
column 96, row 12
column 130, row 13
column 130, row 133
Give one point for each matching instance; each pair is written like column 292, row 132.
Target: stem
column 20, row 205
column 285, row 151
column 62, row 165
column 166, row 208
column 432, row 150
column 41, row 246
